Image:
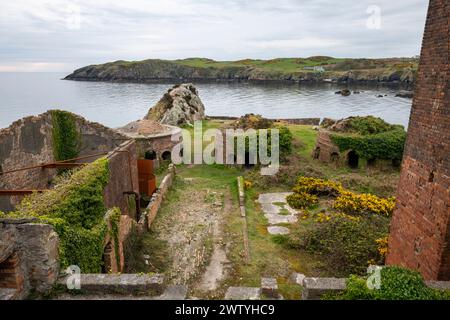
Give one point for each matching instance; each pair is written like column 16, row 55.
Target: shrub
column 317, row 187
column 344, row 242
column 396, row 284
column 385, row 145
column 301, row 200
column 76, row 210
column 66, row 138
column 352, row 203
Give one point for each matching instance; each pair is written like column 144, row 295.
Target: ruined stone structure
column 28, row 258
column 28, row 142
column 420, row 229
column 153, row 139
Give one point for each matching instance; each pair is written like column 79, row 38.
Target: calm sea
column 116, row 104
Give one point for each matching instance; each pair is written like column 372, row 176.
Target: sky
column 62, row 35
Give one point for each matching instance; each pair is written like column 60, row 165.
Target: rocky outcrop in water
column 180, row 105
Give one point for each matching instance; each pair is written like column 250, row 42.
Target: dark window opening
column 371, row 162
column 352, row 160
column 150, row 155
column 166, row 155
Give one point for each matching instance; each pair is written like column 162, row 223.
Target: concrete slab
column 314, row 288
column 277, row 230
column 243, row 293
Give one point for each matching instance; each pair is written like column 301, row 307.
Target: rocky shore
column 314, row 69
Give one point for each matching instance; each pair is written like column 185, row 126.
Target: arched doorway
column 352, row 159
column 316, row 153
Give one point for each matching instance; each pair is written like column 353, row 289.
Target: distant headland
column 295, row 70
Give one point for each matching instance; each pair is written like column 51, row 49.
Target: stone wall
column 420, row 229
column 325, row 150
column 28, row 258
column 29, row 142
column 155, row 202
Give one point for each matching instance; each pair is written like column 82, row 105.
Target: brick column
column 420, row 228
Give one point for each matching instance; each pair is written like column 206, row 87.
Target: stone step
column 173, row 292
column 150, row 285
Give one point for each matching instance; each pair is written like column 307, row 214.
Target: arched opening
column 107, row 258
column 9, row 275
column 334, row 157
column 352, row 159
column 166, row 155
column 150, row 155
column 316, row 153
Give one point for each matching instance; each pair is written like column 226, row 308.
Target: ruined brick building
column 420, row 229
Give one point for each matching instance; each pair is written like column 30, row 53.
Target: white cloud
column 72, row 33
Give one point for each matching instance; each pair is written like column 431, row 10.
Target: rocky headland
column 295, row 70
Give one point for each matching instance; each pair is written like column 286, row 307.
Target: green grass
column 292, row 65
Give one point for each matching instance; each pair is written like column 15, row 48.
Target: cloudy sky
column 61, row 35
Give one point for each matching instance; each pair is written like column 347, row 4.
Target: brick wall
column 420, row 230
column 123, row 177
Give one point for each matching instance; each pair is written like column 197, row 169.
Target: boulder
column 344, row 92
column 405, row 94
column 180, row 105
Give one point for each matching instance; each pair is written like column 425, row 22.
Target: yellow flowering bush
column 352, row 203
column 318, row 187
column 301, row 200
column 382, row 246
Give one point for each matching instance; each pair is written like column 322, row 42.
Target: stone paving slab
column 277, row 230
column 278, row 218
column 243, row 293
column 273, row 197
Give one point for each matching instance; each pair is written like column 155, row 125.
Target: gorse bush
column 301, row 200
column 345, row 242
column 351, row 203
column 317, row 187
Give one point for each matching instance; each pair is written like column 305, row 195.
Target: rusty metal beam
column 18, row 192
column 62, row 165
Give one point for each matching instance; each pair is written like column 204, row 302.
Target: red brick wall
column 420, row 230
column 123, row 177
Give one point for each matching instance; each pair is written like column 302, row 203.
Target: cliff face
column 293, row 70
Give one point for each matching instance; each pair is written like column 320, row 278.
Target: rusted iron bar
column 18, row 192
column 55, row 164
